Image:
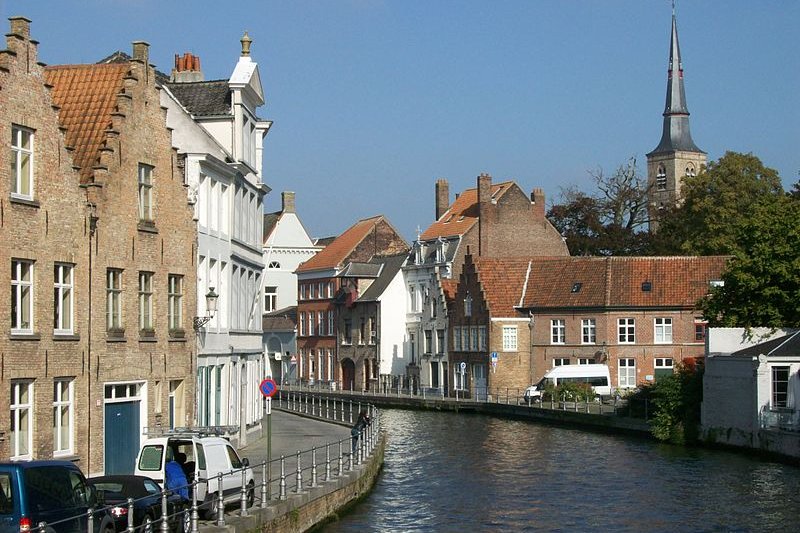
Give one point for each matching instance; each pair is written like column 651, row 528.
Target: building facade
column 220, row 137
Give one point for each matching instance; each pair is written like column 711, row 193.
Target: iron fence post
column 341, row 460
column 164, row 526
column 195, row 514
column 327, row 461
column 243, row 495
column 90, row 520
column 265, row 481
column 130, row 527
column 220, row 502
column 299, row 477
column 282, row 485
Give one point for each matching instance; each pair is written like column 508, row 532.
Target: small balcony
column 780, row 418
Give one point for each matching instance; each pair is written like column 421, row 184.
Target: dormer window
column 576, row 287
column 418, row 253
column 661, row 178
column 647, row 286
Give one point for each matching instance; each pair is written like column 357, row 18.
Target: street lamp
column 211, row 308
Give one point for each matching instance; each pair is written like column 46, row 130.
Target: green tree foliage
column 610, row 221
column 762, row 284
column 716, row 203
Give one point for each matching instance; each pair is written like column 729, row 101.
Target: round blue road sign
column 268, row 387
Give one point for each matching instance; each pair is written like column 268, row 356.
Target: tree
column 715, row 204
column 611, row 221
column 762, row 284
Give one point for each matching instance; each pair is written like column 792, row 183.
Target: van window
column 234, row 457
column 51, row 487
column 201, row 457
column 150, row 458
column 6, row 496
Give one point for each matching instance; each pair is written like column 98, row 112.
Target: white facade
column 391, row 305
column 223, row 175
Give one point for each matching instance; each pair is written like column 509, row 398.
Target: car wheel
column 251, row 494
column 147, row 524
column 213, row 509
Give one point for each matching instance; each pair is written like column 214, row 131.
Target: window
column 21, row 296
column 585, row 361
column 428, row 342
column 320, row 290
column 21, row 162
column 627, row 373
column 509, row 338
column 175, row 301
column 373, row 332
column 270, row 299
column 662, row 367
column 440, row 341
column 145, row 193
column 62, row 298
column 321, row 323
column 482, row 335
column 330, row 289
column 690, row 171
column 473, row 334
column 468, row 305
column 626, row 330
column 362, row 331
column 113, row 299
column 457, row 338
column 465, row 338
column 588, row 331
column 302, row 324
column 663, row 330
column 780, row 386
column 699, row 330
column 145, row 301
column 63, row 397
column 330, row 322
column 21, row 419
column 561, row 361
column 274, row 264
column 557, row 331
column 310, row 328
column 661, row 178
column 347, row 334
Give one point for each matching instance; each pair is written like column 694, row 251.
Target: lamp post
column 211, row 309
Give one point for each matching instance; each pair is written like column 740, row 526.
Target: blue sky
column 373, row 100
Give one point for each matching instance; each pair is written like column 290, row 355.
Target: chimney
column 484, row 213
column 484, row 188
column 21, row 26
column 537, row 200
column 442, row 197
column 187, row 69
column 141, row 51
column 287, row 197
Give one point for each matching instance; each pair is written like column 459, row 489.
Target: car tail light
column 24, row 524
column 119, row 511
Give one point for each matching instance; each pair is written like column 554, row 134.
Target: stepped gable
column 88, row 98
column 463, row 214
column 503, row 283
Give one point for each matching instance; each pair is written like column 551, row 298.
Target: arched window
column 661, row 178
column 690, row 171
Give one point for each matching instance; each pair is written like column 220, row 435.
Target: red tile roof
column 503, row 282
column 618, row 281
column 449, row 287
column 87, row 95
column 333, row 255
column 463, row 214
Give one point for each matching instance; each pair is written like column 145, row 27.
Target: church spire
column 675, row 135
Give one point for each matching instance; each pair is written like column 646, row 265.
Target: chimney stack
column 21, row 26
column 287, row 197
column 141, row 52
column 187, row 69
column 484, row 212
column 442, row 197
column 537, row 200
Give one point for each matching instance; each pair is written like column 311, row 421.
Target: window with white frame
column 473, row 334
column 661, row 178
column 585, row 360
column 780, row 386
column 373, row 331
column 62, row 298
column 145, row 301
column 321, row 323
column 626, row 330
column 627, row 373
column 270, row 299
column 700, row 326
column 310, row 328
column 330, row 322
column 428, row 343
column 21, row 162
column 175, row 301
column 63, row 416
column 21, row 296
column 588, row 331
column 663, row 330
column 302, row 324
column 347, row 333
column 113, row 299
column 482, row 344
column 468, row 305
column 662, row 367
column 460, row 378
column 561, row 361
column 465, row 338
column 439, row 342
column 145, row 193
column 330, row 289
column 509, row 338
column 21, row 439
column 457, row 338
column 321, row 290
column 558, row 331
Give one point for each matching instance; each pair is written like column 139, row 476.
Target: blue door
column 121, row 437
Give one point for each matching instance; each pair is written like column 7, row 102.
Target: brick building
column 638, row 315
column 489, row 220
column 142, row 271
column 45, row 228
column 318, row 283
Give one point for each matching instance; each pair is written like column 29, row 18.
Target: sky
column 372, row 101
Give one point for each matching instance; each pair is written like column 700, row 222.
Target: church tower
column 676, row 155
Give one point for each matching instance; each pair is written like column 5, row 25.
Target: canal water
column 467, row 472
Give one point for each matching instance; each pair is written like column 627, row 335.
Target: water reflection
column 451, row 472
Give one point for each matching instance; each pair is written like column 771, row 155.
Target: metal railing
column 295, row 475
column 781, row 418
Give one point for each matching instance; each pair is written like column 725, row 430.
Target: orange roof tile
column 502, row 281
column 462, row 215
column 87, row 97
column 333, row 255
column 449, row 287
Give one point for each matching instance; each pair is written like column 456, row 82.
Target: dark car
column 53, row 492
column 114, row 492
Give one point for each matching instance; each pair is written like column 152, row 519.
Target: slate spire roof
column 675, row 135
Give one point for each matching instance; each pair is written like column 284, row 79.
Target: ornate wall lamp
column 211, row 309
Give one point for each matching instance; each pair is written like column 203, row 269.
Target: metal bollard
column 314, row 466
column 264, row 482
column 299, row 478
column 130, row 528
column 243, row 495
column 327, row 461
column 90, row 520
column 42, row 527
column 341, row 461
column 282, row 484
column 220, row 502
column 351, row 411
column 350, row 462
column 195, row 513
column 341, row 409
column 327, row 408
column 164, row 526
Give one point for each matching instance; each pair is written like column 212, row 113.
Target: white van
column 597, row 376
column 206, row 458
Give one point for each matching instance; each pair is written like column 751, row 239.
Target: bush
column 676, row 403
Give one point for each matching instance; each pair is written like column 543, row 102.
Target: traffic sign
column 268, row 387
column 463, row 366
column 494, row 357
